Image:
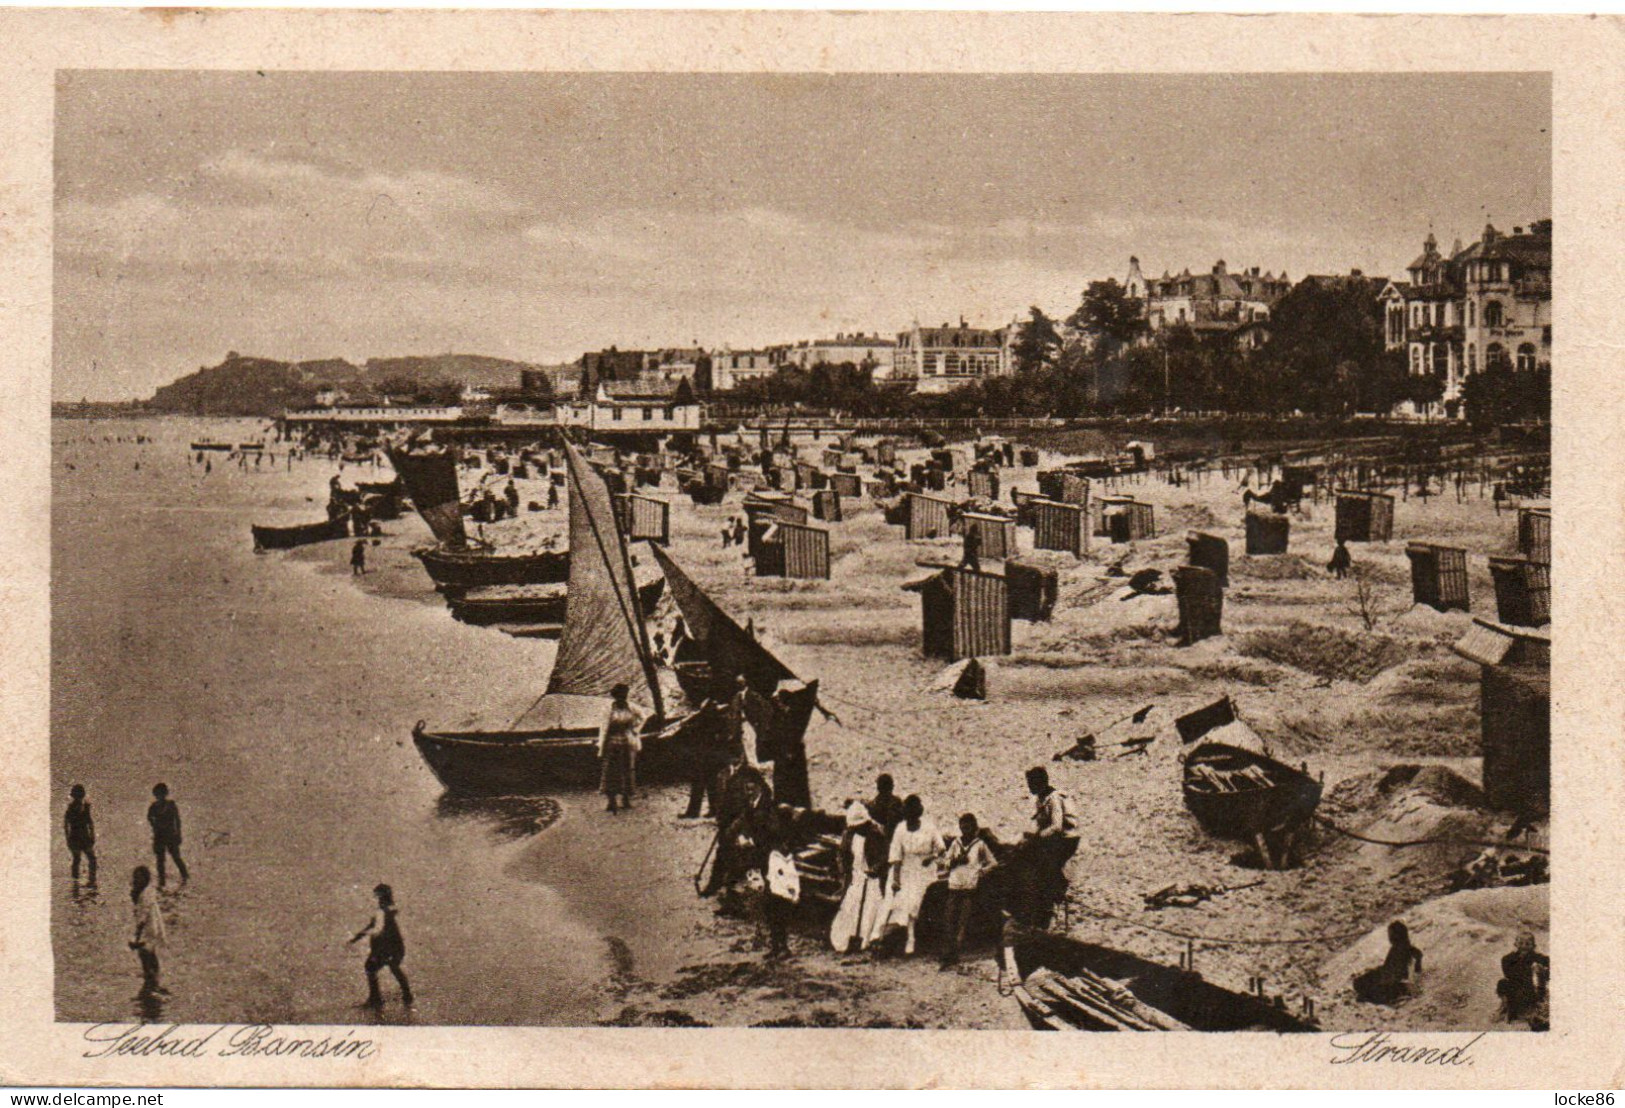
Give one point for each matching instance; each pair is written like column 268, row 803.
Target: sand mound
column 1462, row 937
column 1367, row 792
column 1327, row 652
column 1408, row 803
column 1275, row 567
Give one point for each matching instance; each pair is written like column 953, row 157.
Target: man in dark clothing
column 512, row 493
column 81, row 830
column 358, row 558
column 552, row 496
column 164, row 816
column 973, row 549
column 1341, row 561
column 886, row 808
column 720, row 747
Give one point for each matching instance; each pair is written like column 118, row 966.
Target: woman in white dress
column 915, row 847
column 863, row 866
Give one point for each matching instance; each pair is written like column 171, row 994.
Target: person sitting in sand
column 1390, row 982
column 1522, row 987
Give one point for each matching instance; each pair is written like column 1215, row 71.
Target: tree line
column 1324, row 356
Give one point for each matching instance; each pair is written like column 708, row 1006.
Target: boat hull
column 485, row 611
column 1290, row 797
column 286, row 538
column 540, row 760
column 511, row 763
column 469, row 569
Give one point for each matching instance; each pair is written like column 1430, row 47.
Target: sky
column 535, row 216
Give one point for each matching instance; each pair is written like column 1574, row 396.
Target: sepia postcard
column 811, row 550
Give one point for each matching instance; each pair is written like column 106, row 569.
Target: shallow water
column 275, row 699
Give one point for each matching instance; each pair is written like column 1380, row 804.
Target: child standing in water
column 149, row 936
column 388, row 947
column 81, row 830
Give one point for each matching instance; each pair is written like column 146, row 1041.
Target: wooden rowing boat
column 1232, row 785
column 302, row 534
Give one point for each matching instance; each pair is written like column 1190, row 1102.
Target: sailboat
column 454, row 562
column 708, row 664
column 603, row 644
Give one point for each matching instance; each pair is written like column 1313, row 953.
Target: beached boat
column 1232, row 785
column 221, row 446
column 455, row 562
column 555, row 743
column 536, row 606
column 302, row 534
column 1068, row 985
column 475, row 565
column 250, row 447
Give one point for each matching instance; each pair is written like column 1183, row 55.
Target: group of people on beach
column 164, row 821
column 149, row 936
column 891, row 854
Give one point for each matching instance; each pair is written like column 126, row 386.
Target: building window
column 1416, row 359
column 648, row 414
column 1495, row 355
column 1472, row 314
column 1441, row 359
column 615, row 413
column 671, row 413
column 1492, row 314
column 1472, row 359
column 1526, row 358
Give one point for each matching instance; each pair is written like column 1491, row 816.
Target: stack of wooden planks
column 1089, row 1002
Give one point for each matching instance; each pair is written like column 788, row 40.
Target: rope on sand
column 1218, row 941
column 1447, row 841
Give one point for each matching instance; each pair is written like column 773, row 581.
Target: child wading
column 388, row 948
column 81, row 830
column 148, row 938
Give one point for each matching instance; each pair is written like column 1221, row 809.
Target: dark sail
column 727, row 647
column 431, row 482
column 778, row 715
column 602, row 643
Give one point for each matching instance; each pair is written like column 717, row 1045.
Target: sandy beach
column 180, row 655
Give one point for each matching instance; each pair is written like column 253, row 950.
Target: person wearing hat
column 863, row 875
column 81, row 830
column 619, row 753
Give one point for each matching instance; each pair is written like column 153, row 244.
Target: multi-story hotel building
column 1487, row 305
column 939, row 359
